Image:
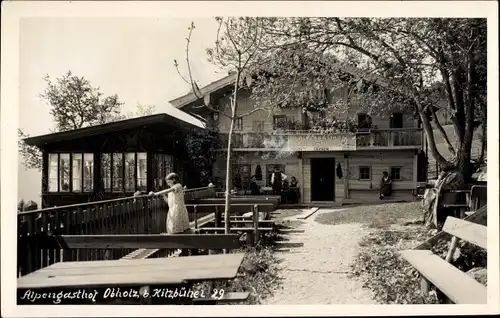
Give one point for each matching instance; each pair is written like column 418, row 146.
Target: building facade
column 330, row 167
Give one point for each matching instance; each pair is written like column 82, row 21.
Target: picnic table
column 174, row 271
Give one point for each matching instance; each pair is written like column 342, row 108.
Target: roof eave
column 42, row 140
column 187, row 99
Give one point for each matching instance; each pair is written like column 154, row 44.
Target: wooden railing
column 132, row 215
column 302, row 140
column 390, row 138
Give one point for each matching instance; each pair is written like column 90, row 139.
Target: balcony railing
column 304, row 140
column 131, row 215
column 300, row 140
column 389, row 138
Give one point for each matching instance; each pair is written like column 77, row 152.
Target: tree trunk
column 451, row 179
column 228, row 159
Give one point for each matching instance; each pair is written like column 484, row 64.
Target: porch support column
column 301, row 176
column 415, row 169
column 149, row 171
column 346, row 175
column 45, row 176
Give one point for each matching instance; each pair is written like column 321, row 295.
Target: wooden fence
column 131, row 215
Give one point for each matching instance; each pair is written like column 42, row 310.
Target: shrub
column 258, row 273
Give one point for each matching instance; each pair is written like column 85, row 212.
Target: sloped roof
column 174, row 118
column 184, row 100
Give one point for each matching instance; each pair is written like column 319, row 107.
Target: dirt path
column 317, row 272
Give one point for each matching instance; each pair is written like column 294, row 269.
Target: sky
column 130, row 57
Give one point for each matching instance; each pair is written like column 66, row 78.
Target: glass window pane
column 129, row 172
column 142, row 165
column 52, row 173
column 169, row 164
column 88, row 172
column 77, row 172
column 64, row 166
column 106, row 172
column 117, row 172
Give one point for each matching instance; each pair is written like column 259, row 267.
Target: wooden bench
column 253, row 226
column 136, row 274
column 456, row 285
column 148, row 244
column 461, row 202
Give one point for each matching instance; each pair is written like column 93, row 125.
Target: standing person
column 277, row 179
column 294, row 190
column 385, row 185
column 177, row 217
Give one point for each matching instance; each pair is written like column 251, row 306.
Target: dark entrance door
column 323, row 179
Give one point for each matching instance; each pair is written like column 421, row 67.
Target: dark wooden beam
column 232, row 204
column 136, row 241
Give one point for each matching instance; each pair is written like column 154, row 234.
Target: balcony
column 298, row 140
column 399, row 138
column 304, row 140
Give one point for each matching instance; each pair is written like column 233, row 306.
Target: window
column 142, row 166
column 241, row 176
column 126, row 172
column 258, row 125
column 364, row 121
column 365, row 173
column 239, row 123
column 163, row 164
column 106, row 172
column 68, row 172
column 279, row 121
column 117, row 172
column 53, row 167
column 64, row 166
column 130, row 172
column 77, row 172
column 88, row 172
column 396, row 173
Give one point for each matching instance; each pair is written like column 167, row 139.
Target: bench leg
column 424, row 287
column 453, row 247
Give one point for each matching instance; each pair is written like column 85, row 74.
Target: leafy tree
column 75, row 103
column 388, row 62
column 236, row 45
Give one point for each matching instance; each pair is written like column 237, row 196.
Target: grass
column 374, row 216
column 258, row 273
column 391, row 279
column 379, row 266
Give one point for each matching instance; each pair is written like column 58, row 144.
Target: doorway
column 396, row 120
column 323, row 179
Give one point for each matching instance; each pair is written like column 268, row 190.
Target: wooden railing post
column 195, row 212
column 256, row 224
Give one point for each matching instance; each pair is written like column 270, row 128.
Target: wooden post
column 256, row 223
column 346, row 176
column 424, row 286
column 195, row 210
column 453, row 247
column 415, row 170
column 217, row 217
column 301, row 178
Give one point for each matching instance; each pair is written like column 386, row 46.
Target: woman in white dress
column 177, row 216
